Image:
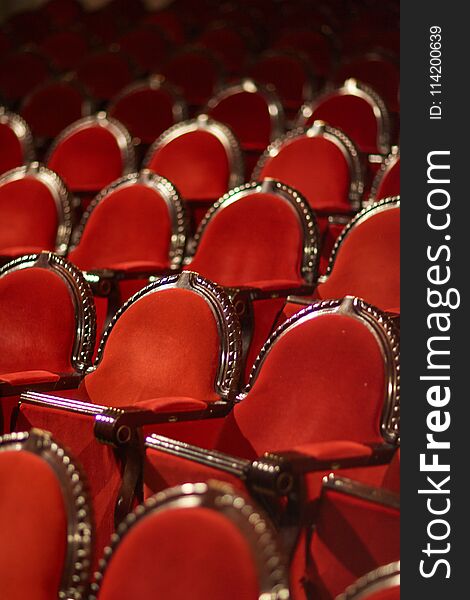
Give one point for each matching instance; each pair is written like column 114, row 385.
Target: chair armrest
column 266, row 290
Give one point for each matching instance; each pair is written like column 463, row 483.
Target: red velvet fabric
column 146, row 46
column 88, row 159
column 33, row 523
column 20, row 72
column 391, row 479
column 324, row 380
column 182, row 553
column 29, row 215
column 145, row 112
column 247, row 115
column 104, row 74
column 130, row 225
column 172, row 404
column 37, row 321
column 52, row 107
column 65, row 48
column 331, row 450
column 166, row 344
column 390, row 183
column 196, row 163
column 351, row 538
column 11, row 152
column 203, row 435
column 259, row 237
column 30, row 377
column 195, row 73
column 316, row 168
column 353, row 115
column 368, row 263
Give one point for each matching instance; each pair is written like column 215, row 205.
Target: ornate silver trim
column 383, row 329
column 366, row 213
column 333, row 135
column 219, row 130
column 270, row 563
column 382, row 578
column 171, row 197
column 80, row 293
column 357, row 489
column 267, row 92
column 353, row 87
column 385, row 168
column 60, row 194
column 74, row 583
column 226, row 318
column 22, row 131
column 115, row 127
column 305, row 214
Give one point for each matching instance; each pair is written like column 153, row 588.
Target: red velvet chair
column 170, row 22
column 202, row 158
column 202, row 541
column 254, row 113
column 65, row 48
column 45, row 520
column 16, row 141
column 47, row 326
column 228, row 44
column 146, row 45
column 36, row 212
column 387, row 180
column 134, row 228
column 20, row 72
column 91, row 153
column 147, row 108
column 381, row 584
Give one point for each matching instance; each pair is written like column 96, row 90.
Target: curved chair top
column 379, row 580
column 389, row 164
column 221, row 499
column 81, row 296
column 74, row 488
column 21, row 130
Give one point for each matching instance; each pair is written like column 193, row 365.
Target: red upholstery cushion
column 88, row 160
column 171, row 404
column 11, row 152
column 37, row 321
column 391, row 479
column 324, row 380
column 65, row 48
column 131, row 224
column 30, row 377
column 368, row 263
column 196, row 163
column 166, row 344
column 29, row 215
column 390, row 184
column 105, row 74
column 259, row 237
column 194, row 73
column 316, row 168
column 34, row 528
column 182, row 553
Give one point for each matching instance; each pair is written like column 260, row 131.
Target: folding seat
column 201, row 157
column 20, row 72
column 91, row 153
column 36, row 211
column 202, row 541
column 146, row 45
column 387, row 180
column 290, row 74
column 197, row 72
column 105, row 72
column 228, row 44
column 47, row 326
column 65, row 48
column 45, row 520
column 16, row 141
column 381, row 584
column 254, row 113
column 52, row 106
column 147, row 108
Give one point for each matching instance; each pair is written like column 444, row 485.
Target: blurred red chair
column 16, row 141
column 146, row 45
column 387, row 180
column 20, row 72
column 46, row 517
column 62, row 12
column 381, row 584
column 228, row 44
column 65, row 48
column 169, row 22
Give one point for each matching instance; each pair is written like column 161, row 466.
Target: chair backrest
column 47, row 316
column 45, row 520
column 146, row 45
column 20, row 72
column 91, row 153
column 321, row 162
column 252, row 110
column 317, row 44
column 105, row 72
column 382, row 583
column 387, row 181
column 148, row 107
column 201, row 157
column 199, row 541
column 36, row 210
column 338, row 357
column 357, row 110
column 177, row 337
column 257, row 232
column 227, row 43
column 365, row 260
column 16, row 141
column 65, row 48
column 140, row 218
